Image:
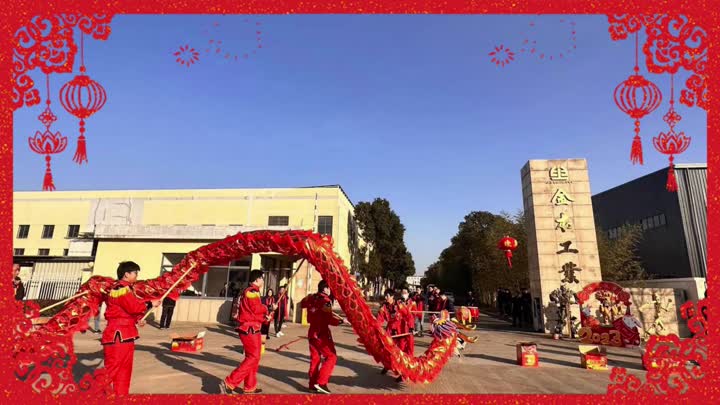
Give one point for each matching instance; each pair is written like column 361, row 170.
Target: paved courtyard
column 487, row 366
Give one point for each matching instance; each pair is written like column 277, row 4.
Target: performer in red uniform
column 320, row 317
column 399, row 321
column 251, row 315
column 124, row 310
column 419, row 307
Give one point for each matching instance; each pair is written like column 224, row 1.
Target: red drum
column 474, row 312
column 463, row 314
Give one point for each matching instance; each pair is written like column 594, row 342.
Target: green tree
column 384, row 234
column 473, row 260
column 618, row 260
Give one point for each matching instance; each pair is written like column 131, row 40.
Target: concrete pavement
column 487, row 366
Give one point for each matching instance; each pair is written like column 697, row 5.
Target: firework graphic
column 502, row 56
column 215, row 46
column 530, row 46
column 187, row 56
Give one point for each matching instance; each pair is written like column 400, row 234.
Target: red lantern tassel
column 81, row 151
column 671, row 181
column 48, row 184
column 508, row 254
column 636, row 153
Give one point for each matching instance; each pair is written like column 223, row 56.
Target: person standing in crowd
column 419, row 308
column 527, row 306
column 444, row 304
column 507, row 302
column 251, row 315
column 18, row 285
column 517, row 310
column 269, row 301
column 168, row 307
column 281, row 311
column 470, row 301
column 322, row 349
column 430, row 298
column 124, row 311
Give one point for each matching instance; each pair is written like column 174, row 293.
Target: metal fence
column 54, row 281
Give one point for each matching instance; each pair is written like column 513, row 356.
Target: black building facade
column 674, row 243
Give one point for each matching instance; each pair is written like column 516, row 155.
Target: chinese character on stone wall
column 561, row 197
column 558, row 173
column 566, row 248
column 563, row 223
column 569, row 270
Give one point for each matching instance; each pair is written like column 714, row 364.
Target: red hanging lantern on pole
column 47, row 143
column 508, row 245
column 82, row 97
column 637, row 97
column 671, row 143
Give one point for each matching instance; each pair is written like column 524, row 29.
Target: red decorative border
column 18, row 13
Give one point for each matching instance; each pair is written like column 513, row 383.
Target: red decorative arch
column 315, row 248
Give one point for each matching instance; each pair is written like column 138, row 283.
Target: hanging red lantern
column 637, row 97
column 508, row 244
column 82, row 97
column 47, row 143
column 671, row 143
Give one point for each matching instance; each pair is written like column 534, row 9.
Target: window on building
column 48, row 231
column 644, row 224
column 278, row 221
column 18, row 251
column 43, row 252
column 221, row 281
column 662, row 219
column 73, row 231
column 23, row 231
column 66, row 252
column 325, row 225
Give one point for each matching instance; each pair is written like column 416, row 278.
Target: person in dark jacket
column 527, row 306
column 517, row 309
column 168, row 307
column 470, row 301
column 269, row 301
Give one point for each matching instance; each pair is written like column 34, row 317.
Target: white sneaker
column 280, row 334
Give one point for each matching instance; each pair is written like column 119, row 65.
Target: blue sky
column 408, row 108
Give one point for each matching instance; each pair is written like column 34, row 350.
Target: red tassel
column 81, row 151
column 48, row 184
column 636, row 154
column 508, row 254
column 671, row 181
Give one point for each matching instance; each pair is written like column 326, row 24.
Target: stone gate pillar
column 562, row 244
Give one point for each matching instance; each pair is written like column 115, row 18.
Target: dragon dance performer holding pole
column 124, row 310
column 320, row 316
column 251, row 315
column 400, row 321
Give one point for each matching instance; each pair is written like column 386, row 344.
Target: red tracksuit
column 123, row 311
column 251, row 315
column 399, row 320
column 419, row 305
column 320, row 317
